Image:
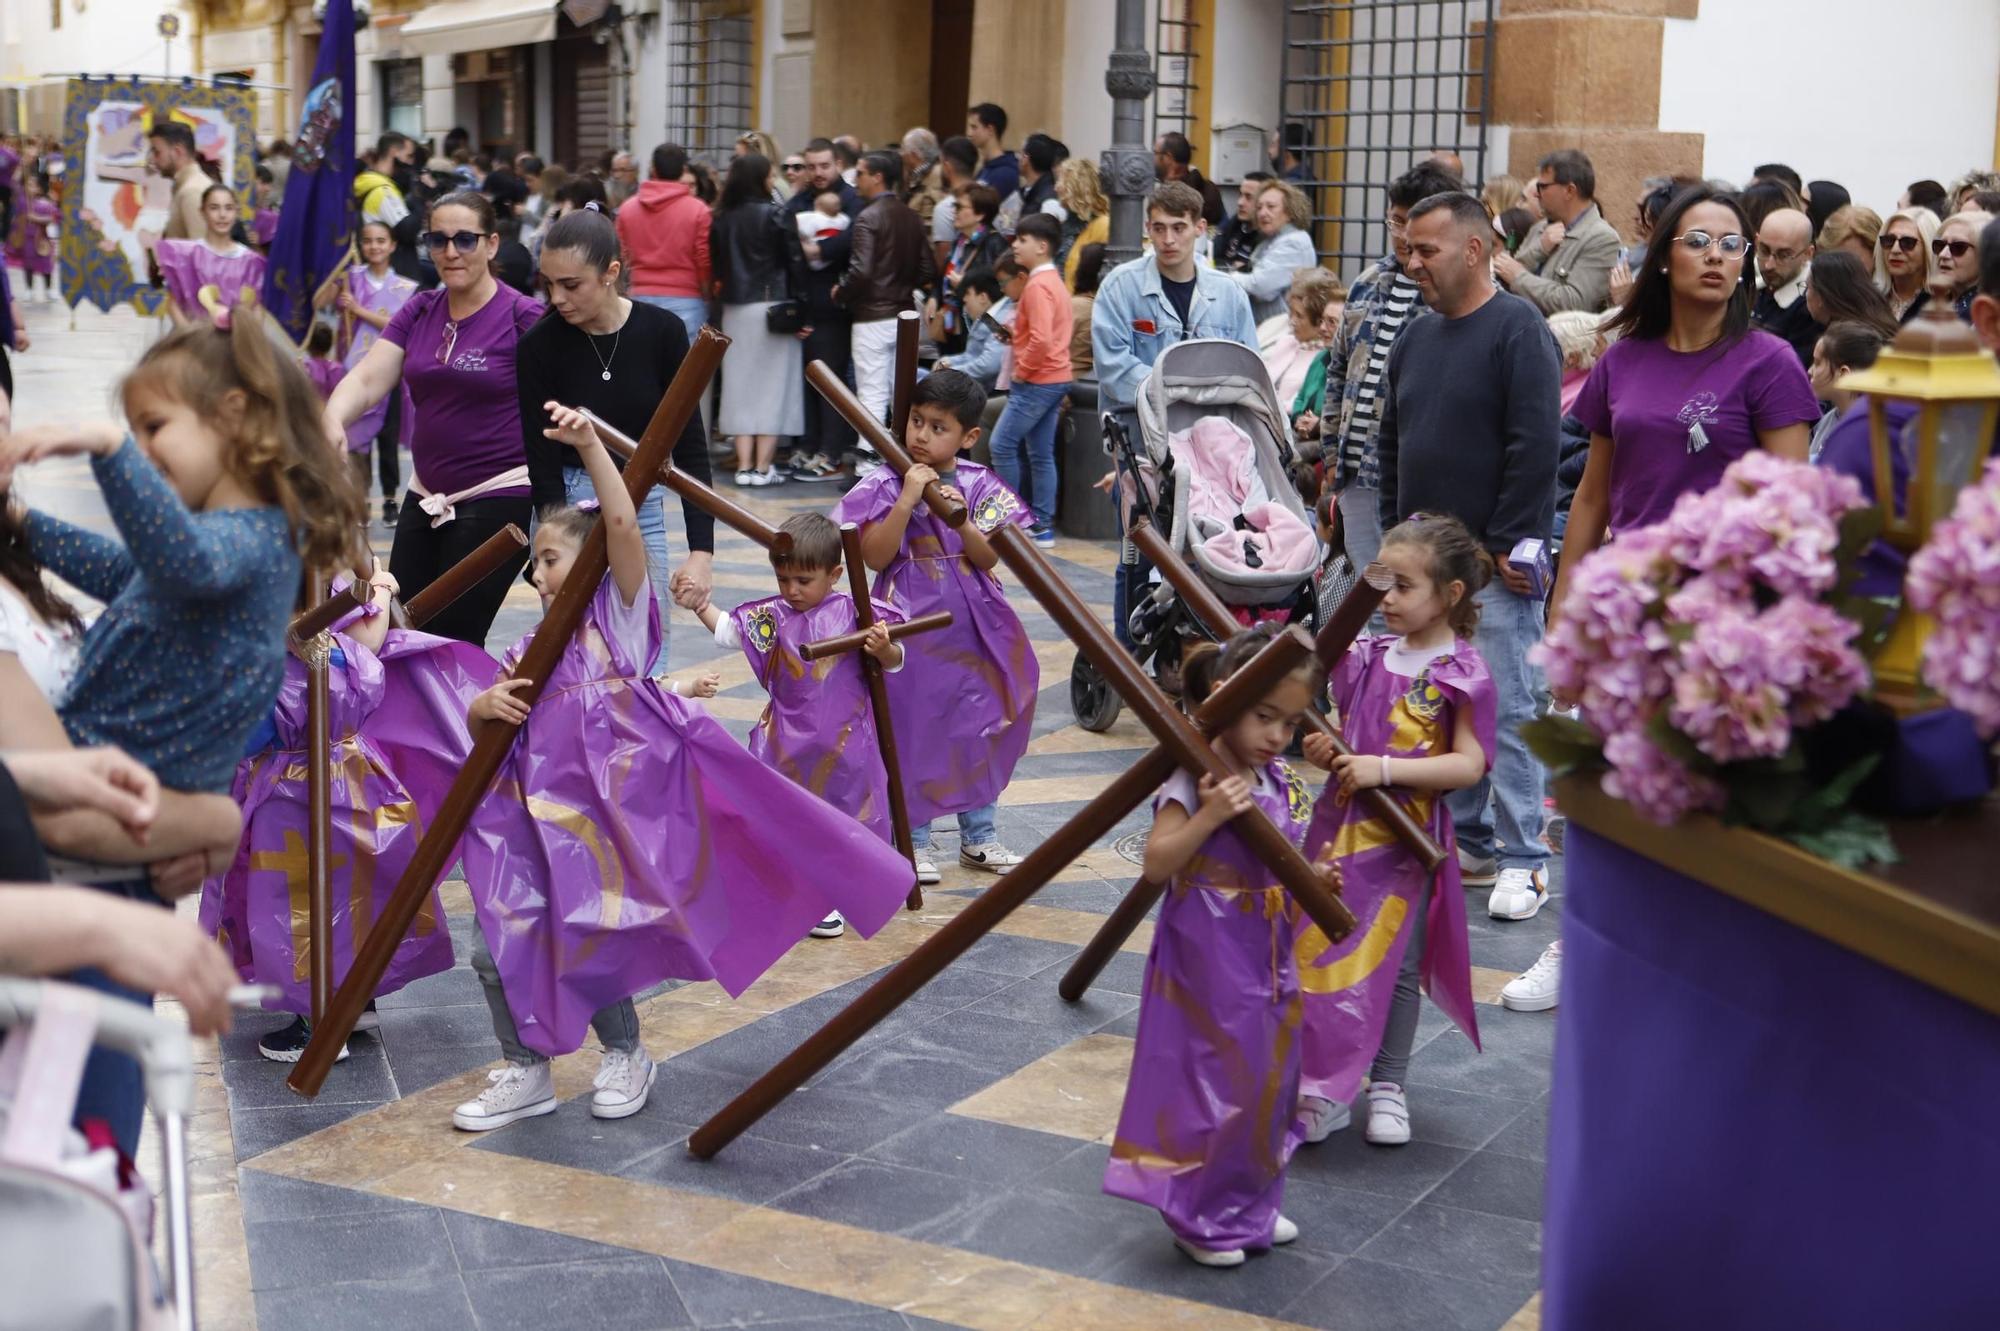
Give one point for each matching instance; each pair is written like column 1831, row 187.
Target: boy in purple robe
column 1209, row 1121
column 396, row 715
column 628, row 839
column 1418, row 709
column 819, row 728
column 969, row 690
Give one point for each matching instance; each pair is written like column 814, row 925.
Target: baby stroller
column 1211, row 471
column 74, row 1236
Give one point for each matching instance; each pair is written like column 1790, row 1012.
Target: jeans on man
column 652, row 530
column 616, row 1024
column 1028, row 423
column 1501, row 817
column 975, row 828
column 875, row 366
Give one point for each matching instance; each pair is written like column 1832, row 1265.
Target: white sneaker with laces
column 1323, row 1117
column 1217, row 1257
column 927, row 870
column 772, row 476
column 623, row 1082
column 830, row 927
column 746, row 478
column 988, row 855
column 1518, row 894
column 1285, row 1231
column 1535, row 989
column 1476, row 870
column 518, row 1091
column 1388, row 1114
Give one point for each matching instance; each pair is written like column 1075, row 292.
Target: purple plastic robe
column 1210, row 1114
column 963, row 705
column 629, row 839
column 189, row 265
column 325, row 374
column 394, row 292
column 32, row 246
column 818, row 730
column 398, row 726
column 1349, row 985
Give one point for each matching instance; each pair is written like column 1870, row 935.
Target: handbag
column 785, row 316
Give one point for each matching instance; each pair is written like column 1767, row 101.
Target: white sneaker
column 771, row 476
column 1211, row 1256
column 830, row 927
column 990, row 856
column 926, row 868
column 1476, row 870
column 867, row 465
column 1323, row 1117
column 1518, row 894
column 623, row 1082
column 518, row 1091
column 1388, row 1115
column 746, row 478
column 1284, row 1232
column 1535, row 989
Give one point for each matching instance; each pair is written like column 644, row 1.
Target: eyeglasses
column 462, row 241
column 795, row 166
column 1769, row 255
column 1907, row 244
column 1700, row 242
column 1959, row 248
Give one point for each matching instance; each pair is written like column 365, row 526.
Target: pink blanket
column 1233, row 516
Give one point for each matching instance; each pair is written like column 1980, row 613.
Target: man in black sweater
column 1470, row 427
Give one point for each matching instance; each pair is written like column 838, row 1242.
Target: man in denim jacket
column 1145, row 306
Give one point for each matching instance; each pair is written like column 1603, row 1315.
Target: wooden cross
column 726, row 511
column 1180, row 745
column 878, row 704
column 842, row 643
column 559, row 625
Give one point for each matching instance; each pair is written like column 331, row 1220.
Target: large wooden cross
column 1181, row 744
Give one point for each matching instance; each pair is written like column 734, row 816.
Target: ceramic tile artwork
column 944, row 1173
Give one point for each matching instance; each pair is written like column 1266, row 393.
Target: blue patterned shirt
column 187, row 657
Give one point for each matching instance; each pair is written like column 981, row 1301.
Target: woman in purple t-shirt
column 1689, row 387
column 453, row 347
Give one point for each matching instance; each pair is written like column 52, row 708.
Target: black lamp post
column 1127, row 165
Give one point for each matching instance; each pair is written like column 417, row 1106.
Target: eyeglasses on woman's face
column 1906, row 243
column 462, row 241
column 1958, row 248
column 1700, row 242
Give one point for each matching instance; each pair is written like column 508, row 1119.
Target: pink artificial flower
column 1955, row 578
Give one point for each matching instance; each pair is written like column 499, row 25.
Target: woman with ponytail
column 222, row 488
column 455, row 349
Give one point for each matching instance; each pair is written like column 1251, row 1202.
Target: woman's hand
column 1306, row 426
column 695, row 577
column 499, row 704
column 1621, row 283
column 183, row 875
column 571, row 427
column 37, row 442
column 1225, row 799
column 105, row 779
column 336, row 431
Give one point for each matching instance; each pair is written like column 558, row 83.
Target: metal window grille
column 1176, row 70
column 710, row 65
column 1376, row 86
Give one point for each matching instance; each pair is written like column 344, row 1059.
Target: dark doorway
column 951, row 65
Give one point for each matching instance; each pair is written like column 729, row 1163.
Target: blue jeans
column 1029, row 421
column 975, row 828
column 616, row 1024
column 653, row 529
column 113, row 1087
column 1508, row 800
column 1361, row 536
column 692, row 311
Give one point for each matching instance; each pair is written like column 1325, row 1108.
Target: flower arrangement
column 1703, row 651
column 1955, row 578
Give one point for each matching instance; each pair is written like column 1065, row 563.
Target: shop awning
column 478, row 25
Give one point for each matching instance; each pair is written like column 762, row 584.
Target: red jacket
column 663, row 230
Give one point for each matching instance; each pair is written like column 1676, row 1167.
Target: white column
column 440, row 98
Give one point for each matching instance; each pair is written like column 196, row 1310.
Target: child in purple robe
column 214, row 266
column 32, row 245
column 819, row 728
column 967, row 699
column 396, row 703
column 1209, row 1120
column 318, row 362
column 628, row 839
column 1417, row 706
column 366, row 299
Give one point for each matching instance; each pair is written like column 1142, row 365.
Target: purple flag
column 314, row 226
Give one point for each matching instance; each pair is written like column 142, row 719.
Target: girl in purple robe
column 206, row 277
column 628, row 839
column 1417, row 706
column 819, row 727
column 318, row 362
column 367, row 298
column 1209, row 1118
column 967, row 698
column 396, row 714
column 32, row 245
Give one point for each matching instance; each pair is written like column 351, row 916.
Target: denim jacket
column 1133, row 322
column 984, row 353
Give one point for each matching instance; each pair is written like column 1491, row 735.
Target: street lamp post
column 1128, row 162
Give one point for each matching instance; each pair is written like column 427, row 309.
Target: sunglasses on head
column 1959, row 248
column 1907, row 244
column 462, row 241
column 1699, row 242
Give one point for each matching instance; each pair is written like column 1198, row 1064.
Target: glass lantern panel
column 1964, row 436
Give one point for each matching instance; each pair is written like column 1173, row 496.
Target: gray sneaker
column 1477, row 870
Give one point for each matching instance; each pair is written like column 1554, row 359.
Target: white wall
column 1090, row 32
column 1806, row 82
column 1249, row 57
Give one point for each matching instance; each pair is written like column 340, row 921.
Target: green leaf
column 1766, row 799
column 1875, row 615
column 1563, row 743
column 1852, row 840
column 1830, row 800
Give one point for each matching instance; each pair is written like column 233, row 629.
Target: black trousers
column 423, row 553
column 827, row 431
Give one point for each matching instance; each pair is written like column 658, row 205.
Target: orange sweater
column 1042, row 330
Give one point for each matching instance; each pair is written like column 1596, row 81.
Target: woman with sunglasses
column 1956, row 252
column 1904, row 264
column 453, row 347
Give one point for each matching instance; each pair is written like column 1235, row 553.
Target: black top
column 1471, row 422
column 1180, row 295
column 755, row 249
column 554, row 362
column 21, row 858
column 1795, row 324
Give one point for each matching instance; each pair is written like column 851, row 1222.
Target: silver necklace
column 604, row 362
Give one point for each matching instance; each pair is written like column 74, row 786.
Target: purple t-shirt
column 1649, row 398
column 463, row 387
